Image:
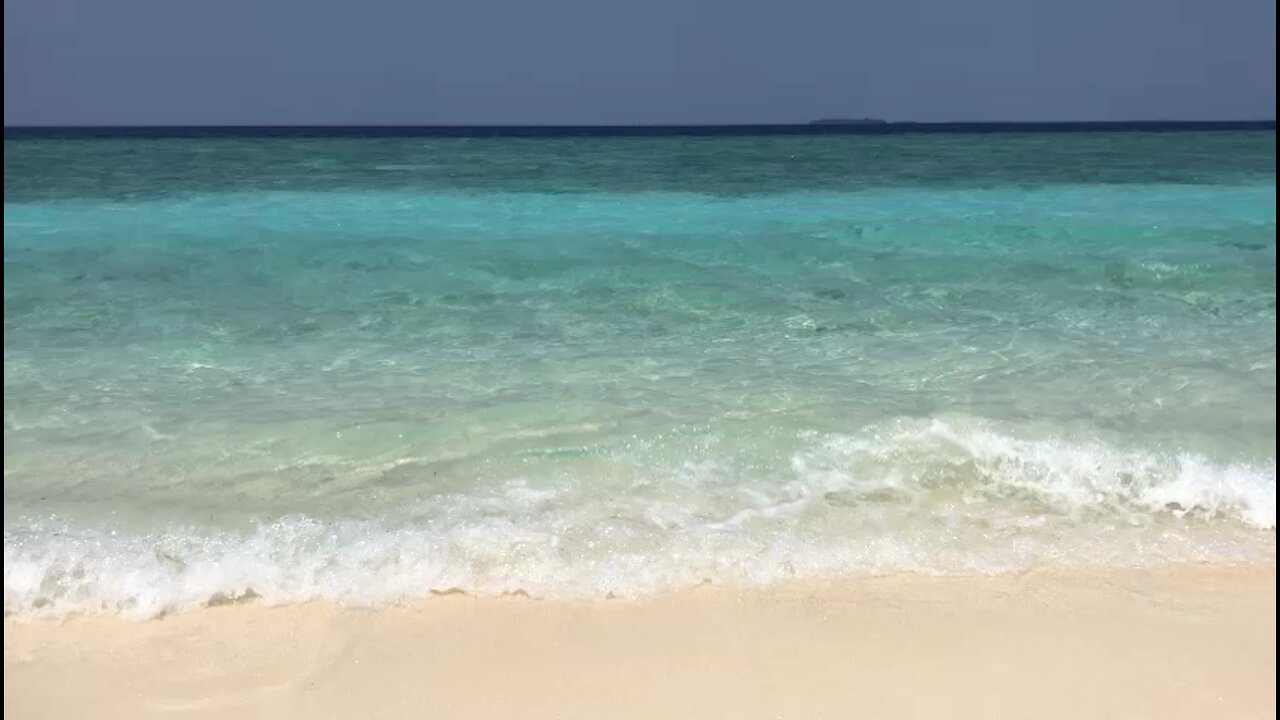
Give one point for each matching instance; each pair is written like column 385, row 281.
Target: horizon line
column 817, row 128
column 817, row 122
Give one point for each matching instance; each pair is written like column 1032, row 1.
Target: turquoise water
column 366, row 370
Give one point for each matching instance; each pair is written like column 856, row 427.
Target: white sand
column 1185, row 642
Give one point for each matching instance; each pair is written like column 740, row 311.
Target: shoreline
column 1178, row 641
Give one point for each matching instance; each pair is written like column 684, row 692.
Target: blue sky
column 658, row 61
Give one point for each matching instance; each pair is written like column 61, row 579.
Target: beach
column 1179, row 642
column 923, row 425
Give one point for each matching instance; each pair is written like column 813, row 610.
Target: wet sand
column 1179, row 642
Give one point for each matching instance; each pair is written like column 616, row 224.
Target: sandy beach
column 1180, row 642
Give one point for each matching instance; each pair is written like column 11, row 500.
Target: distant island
column 849, row 121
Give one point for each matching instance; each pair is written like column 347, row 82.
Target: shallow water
column 369, row 369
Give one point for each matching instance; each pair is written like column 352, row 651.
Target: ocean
column 368, row 369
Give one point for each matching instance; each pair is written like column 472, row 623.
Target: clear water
column 366, row 370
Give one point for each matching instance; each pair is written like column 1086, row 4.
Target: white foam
column 1068, row 477
column 936, row 496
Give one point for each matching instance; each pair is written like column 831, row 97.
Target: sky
column 508, row 62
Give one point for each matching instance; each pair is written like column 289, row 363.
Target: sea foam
column 932, row 496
